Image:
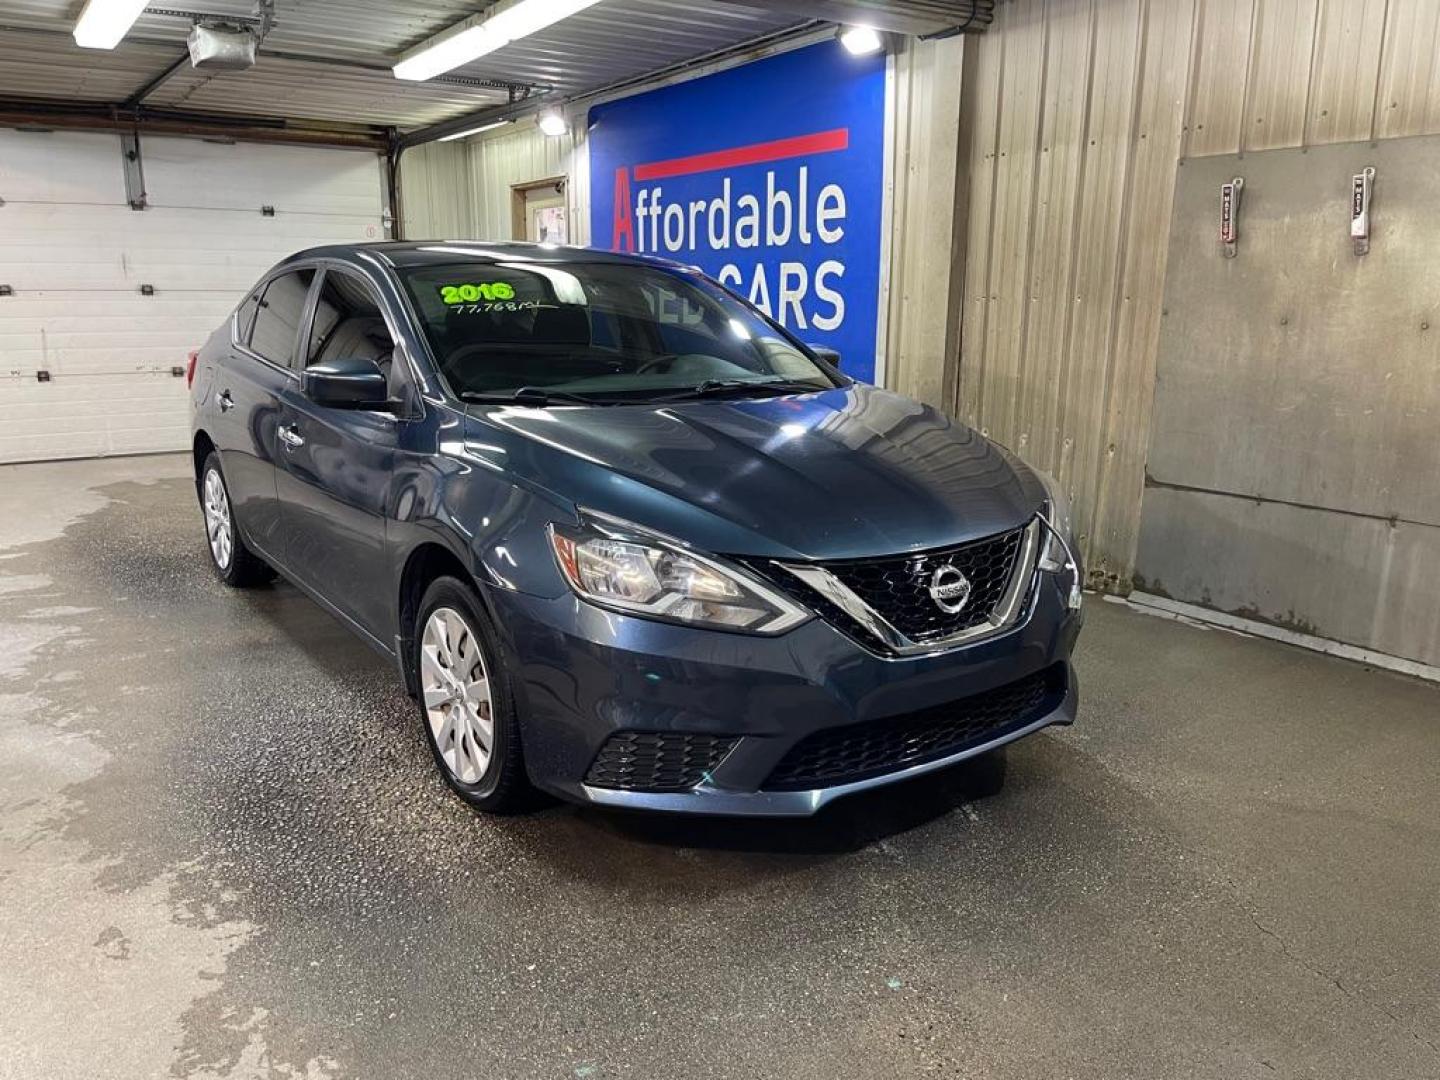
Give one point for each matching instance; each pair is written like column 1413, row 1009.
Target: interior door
column 545, row 221
column 538, row 212
column 336, row 464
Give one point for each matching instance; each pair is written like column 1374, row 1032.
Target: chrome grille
column 897, row 589
column 889, row 600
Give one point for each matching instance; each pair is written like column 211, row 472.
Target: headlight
column 1057, row 557
column 620, row 566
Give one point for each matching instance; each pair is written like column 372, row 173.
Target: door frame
column 517, row 200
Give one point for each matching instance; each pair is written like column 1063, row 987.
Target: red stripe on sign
column 821, row 142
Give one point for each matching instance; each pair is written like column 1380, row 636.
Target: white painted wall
column 75, row 256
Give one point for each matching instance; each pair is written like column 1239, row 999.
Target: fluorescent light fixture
column 104, row 22
column 507, row 21
column 445, row 54
column 552, row 123
column 491, row 126
column 860, row 40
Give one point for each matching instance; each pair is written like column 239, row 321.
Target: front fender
column 493, row 522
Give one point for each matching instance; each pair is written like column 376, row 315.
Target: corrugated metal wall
column 1076, row 114
column 924, row 135
column 462, row 190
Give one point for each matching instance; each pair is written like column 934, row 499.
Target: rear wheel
column 234, row 563
column 465, row 700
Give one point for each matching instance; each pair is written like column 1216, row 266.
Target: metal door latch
column 1230, row 215
column 1362, row 186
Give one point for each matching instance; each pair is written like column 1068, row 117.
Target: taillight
column 190, row 368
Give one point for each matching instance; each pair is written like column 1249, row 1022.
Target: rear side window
column 277, row 320
column 245, row 317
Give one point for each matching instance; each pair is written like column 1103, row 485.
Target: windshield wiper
column 719, row 387
column 529, row 395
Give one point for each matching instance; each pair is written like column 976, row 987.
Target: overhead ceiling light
column 475, row 130
column 860, row 40
column 552, row 123
column 507, row 21
column 104, row 22
column 445, row 54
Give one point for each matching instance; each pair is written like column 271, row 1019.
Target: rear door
column 336, row 464
column 245, row 402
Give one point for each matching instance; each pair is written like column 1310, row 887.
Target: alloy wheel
column 217, row 520
column 455, row 687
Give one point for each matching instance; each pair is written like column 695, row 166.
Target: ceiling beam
column 25, row 113
column 318, row 60
column 490, row 114
column 918, row 19
column 156, row 82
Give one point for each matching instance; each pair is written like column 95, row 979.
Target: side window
column 245, row 317
column 277, row 321
column 348, row 323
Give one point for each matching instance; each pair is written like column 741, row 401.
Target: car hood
column 840, row 473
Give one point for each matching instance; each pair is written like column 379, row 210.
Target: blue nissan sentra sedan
column 628, row 541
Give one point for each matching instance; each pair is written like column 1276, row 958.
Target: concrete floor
column 224, row 852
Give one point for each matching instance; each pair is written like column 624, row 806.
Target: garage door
column 99, row 302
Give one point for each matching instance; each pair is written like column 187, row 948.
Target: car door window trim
column 411, row 372
column 259, row 290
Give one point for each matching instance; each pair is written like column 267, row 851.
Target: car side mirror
column 351, row 382
column 824, row 352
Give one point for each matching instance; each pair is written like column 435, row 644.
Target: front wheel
column 465, row 701
column 235, row 564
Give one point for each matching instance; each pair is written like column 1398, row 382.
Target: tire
column 457, row 663
column 234, row 563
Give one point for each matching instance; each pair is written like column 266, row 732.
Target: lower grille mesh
column 657, row 760
column 858, row 751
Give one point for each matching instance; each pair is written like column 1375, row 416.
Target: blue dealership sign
column 768, row 176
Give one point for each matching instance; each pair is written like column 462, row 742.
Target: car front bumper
column 585, row 675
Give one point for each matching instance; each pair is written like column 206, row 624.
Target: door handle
column 291, row 437
column 226, row 401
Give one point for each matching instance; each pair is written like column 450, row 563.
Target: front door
column 336, row 464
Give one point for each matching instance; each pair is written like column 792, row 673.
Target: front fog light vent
column 657, row 760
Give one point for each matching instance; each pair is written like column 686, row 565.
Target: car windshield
column 600, row 331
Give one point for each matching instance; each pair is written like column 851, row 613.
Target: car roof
column 412, row 253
